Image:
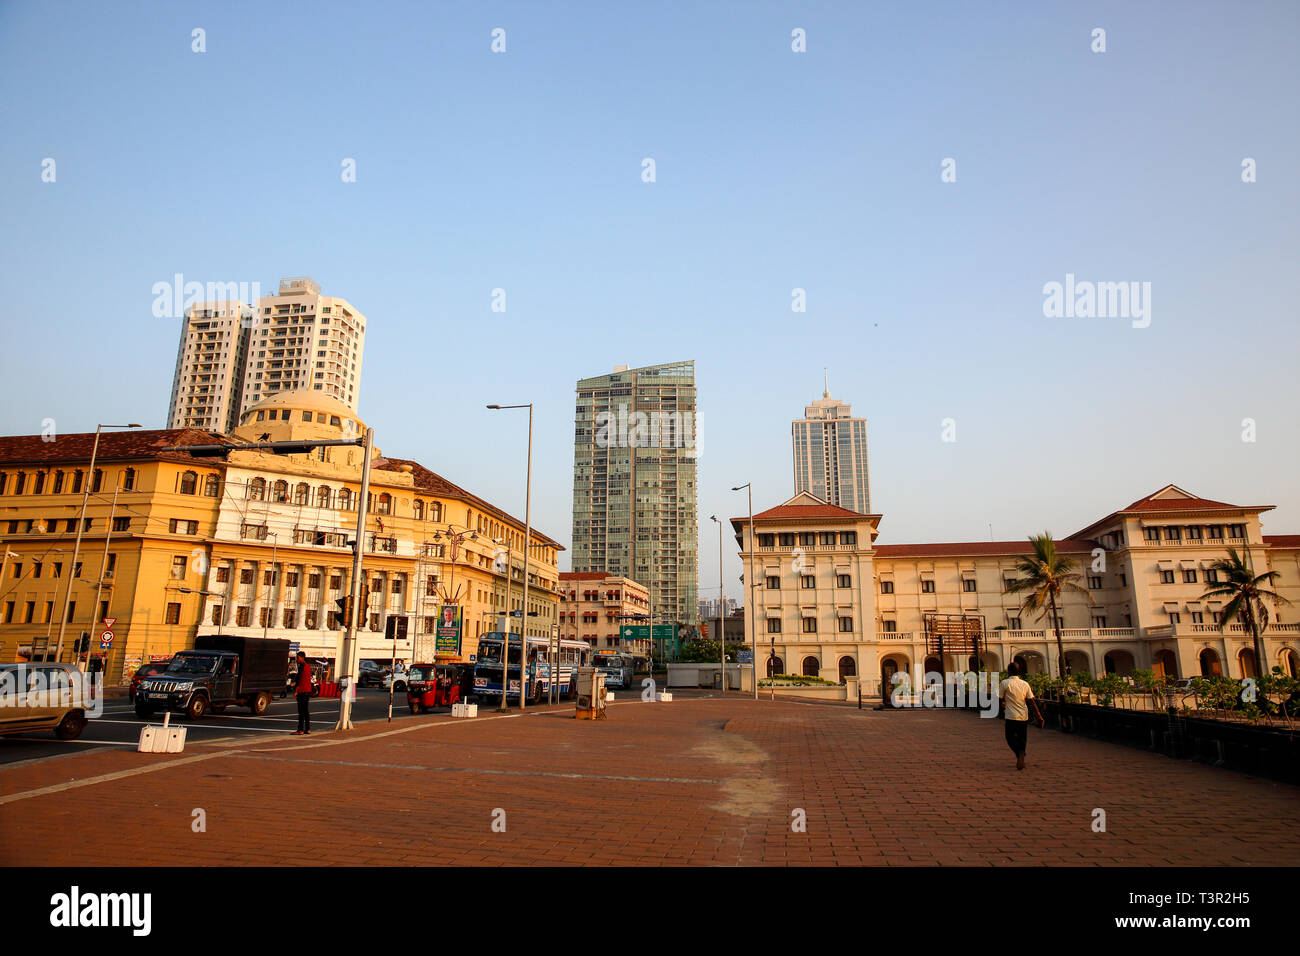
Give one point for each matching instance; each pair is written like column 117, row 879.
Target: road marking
column 251, row 730
column 108, row 777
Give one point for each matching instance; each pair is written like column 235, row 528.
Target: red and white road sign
column 106, row 640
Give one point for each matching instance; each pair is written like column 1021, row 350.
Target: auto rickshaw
column 436, row 685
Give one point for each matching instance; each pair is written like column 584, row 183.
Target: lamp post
column 76, row 548
column 722, row 602
column 749, row 579
column 505, row 638
column 528, row 546
column 349, row 648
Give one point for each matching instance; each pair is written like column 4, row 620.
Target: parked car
column 41, row 697
column 145, row 670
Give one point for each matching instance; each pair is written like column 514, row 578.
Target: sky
column 774, row 170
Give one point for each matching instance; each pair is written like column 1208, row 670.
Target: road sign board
column 106, row 640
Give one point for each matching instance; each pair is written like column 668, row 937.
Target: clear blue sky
column 775, row 170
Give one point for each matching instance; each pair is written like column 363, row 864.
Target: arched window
column 1246, row 661
column 212, row 486
column 128, row 479
column 847, row 668
column 435, row 511
column 774, row 665
column 189, row 483
column 1210, row 666
column 96, row 481
column 280, row 491
column 58, row 482
column 324, row 497
column 20, row 482
column 38, row 485
column 385, row 504
column 810, row 667
column 257, row 489
column 77, row 478
column 347, row 500
column 4, row 478
column 418, row 510
column 301, row 493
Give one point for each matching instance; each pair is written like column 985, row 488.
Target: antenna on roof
column 826, row 379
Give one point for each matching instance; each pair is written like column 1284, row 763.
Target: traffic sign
column 106, row 640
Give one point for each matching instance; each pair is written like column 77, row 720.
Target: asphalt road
column 120, row 727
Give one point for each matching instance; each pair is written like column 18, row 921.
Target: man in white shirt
column 1017, row 697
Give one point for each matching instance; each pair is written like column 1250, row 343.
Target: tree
column 1249, row 597
column 1044, row 576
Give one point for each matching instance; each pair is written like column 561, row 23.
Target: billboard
column 448, row 630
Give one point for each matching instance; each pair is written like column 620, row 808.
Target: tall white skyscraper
column 232, row 354
column 830, row 454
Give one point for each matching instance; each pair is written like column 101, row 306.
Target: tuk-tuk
column 437, row 685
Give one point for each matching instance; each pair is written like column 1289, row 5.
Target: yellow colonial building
column 830, row 601
column 258, row 544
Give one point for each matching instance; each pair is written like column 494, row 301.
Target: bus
column 487, row 667
column 618, row 668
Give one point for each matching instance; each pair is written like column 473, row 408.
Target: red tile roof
column 1154, row 505
column 1282, row 540
column 113, row 446
column 801, row 512
column 973, row 548
column 435, row 484
column 585, row 575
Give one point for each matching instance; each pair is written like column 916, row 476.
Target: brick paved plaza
column 696, row 781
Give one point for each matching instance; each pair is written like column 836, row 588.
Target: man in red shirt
column 303, row 691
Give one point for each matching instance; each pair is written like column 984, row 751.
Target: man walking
column 303, row 690
column 1017, row 697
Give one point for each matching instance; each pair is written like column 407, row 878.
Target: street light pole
column 722, row 602
column 749, row 589
column 350, row 635
column 76, row 548
column 528, row 546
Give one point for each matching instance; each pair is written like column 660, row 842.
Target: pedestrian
column 1017, row 698
column 303, row 688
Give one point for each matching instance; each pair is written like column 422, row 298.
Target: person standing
column 1017, row 698
column 303, row 690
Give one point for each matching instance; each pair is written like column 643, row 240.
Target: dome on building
column 305, row 412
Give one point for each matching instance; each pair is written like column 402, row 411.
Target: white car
column 397, row 680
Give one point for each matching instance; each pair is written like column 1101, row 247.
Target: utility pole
column 350, row 635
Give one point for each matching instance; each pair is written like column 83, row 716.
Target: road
column 119, row 727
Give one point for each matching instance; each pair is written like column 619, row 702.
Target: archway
column 1289, row 661
column 774, row 665
column 1165, row 663
column 848, row 668
column 990, row 661
column 933, row 666
column 811, row 667
column 1210, row 666
column 1246, row 661
column 1118, row 662
column 1077, row 662
column 1031, row 662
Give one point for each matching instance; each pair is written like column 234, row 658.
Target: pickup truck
column 218, row 672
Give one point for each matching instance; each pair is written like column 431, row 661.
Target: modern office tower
column 634, row 494
column 830, row 454
column 208, row 383
column 302, row 339
column 233, row 354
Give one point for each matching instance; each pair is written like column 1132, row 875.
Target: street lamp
column 750, row 595
column 722, row 604
column 505, row 638
column 528, row 546
column 76, row 548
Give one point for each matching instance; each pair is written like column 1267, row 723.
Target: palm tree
column 1238, row 581
column 1044, row 576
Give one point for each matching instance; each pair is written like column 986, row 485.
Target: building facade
column 593, row 606
column 232, row 354
column 254, row 544
column 831, row 602
column 634, row 483
column 830, row 454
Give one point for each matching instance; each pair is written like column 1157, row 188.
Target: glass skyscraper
column 634, row 473
column 830, row 454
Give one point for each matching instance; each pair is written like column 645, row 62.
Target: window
column 848, row 537
column 1013, row 623
column 808, row 539
column 128, row 479
column 173, row 614
column 767, row 540
column 927, row 586
column 810, row 625
column 846, row 624
column 1198, row 617
column 121, row 524
column 385, row 504
column 774, row 625
column 1173, row 533
column 290, row 618
column 374, row 622
column 38, row 485
column 826, row 537
column 1193, row 532
column 313, row 582
column 418, row 510
column 280, row 491
column 178, row 566
column 889, row 627
column 324, row 497
column 1211, row 576
column 245, row 575
column 773, row 583
column 301, row 493
column 1151, row 534
column 807, row 581
column 1189, row 576
column 257, row 488
column 968, row 585
column 1094, row 582
column 182, row 526
column 1166, row 577
column 223, row 574
column 1175, row 617
column 1236, row 531
column 189, row 483
column 843, row 581
column 97, row 481
column 216, row 614
column 1098, row 621
column 58, row 482
column 886, row 587
column 1123, row 580
column 313, row 620
column 211, row 486
column 785, row 540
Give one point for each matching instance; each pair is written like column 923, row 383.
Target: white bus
column 487, row 667
column 618, row 668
